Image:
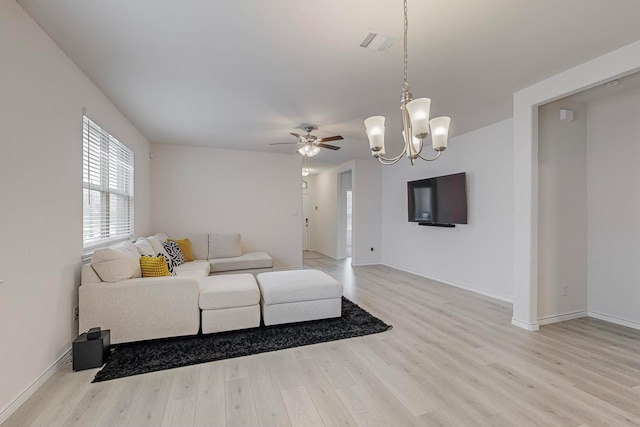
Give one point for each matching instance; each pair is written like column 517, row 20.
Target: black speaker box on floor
column 91, row 353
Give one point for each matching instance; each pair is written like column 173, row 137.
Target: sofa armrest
column 141, row 309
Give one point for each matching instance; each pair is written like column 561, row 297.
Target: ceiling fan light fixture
column 309, row 150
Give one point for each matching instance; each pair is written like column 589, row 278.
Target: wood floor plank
column 149, row 402
column 240, row 410
column 179, row 412
column 90, row 408
column 267, row 399
column 417, row 400
column 300, row 407
column 210, row 402
column 324, row 396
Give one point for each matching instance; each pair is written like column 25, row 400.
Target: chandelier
column 415, row 121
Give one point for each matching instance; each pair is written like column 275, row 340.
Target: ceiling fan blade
column 331, row 138
column 330, row 147
column 295, row 134
column 282, row 143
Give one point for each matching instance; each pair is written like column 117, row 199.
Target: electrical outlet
column 565, row 290
column 76, row 314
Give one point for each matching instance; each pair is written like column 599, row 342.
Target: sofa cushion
column 281, row 287
column 185, row 248
column 193, row 266
column 199, row 244
column 156, row 244
column 224, row 245
column 154, row 266
column 162, row 237
column 117, row 263
column 144, row 247
column 174, row 252
column 250, row 260
column 235, row 290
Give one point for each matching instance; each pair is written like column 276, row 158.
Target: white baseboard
column 362, row 264
column 288, row 268
column 547, row 320
column 456, row 284
column 525, row 325
column 614, row 319
column 334, row 256
column 13, row 406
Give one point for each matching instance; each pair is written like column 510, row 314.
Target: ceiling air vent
column 377, row 41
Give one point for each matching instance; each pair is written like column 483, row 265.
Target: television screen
column 439, row 200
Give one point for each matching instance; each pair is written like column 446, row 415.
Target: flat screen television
column 439, row 201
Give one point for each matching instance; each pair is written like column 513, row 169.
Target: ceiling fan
column 311, row 144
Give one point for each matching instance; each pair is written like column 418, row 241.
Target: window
column 107, row 193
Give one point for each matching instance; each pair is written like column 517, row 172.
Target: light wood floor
column 451, row 359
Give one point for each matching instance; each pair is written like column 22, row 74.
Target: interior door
column 305, row 222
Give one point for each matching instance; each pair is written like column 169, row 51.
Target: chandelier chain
column 405, row 83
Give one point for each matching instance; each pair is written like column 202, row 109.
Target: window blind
column 107, row 187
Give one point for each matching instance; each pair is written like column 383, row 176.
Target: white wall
column 43, row 94
column 562, row 212
column 367, row 216
column 477, row 256
column 613, row 155
column 365, row 176
column 259, row 195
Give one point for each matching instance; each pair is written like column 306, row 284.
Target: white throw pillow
column 156, row 244
column 199, row 244
column 224, row 245
column 144, row 247
column 163, row 237
column 117, row 263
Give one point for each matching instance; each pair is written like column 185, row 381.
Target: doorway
column 349, row 224
column 345, row 215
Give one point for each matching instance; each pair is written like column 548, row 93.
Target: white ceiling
column 242, row 74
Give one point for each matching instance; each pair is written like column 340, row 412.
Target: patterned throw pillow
column 175, row 254
column 185, row 247
column 172, row 272
column 153, row 266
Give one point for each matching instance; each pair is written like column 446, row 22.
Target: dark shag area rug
column 150, row 356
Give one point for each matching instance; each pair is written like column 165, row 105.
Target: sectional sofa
column 114, row 295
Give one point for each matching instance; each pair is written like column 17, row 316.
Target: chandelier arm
column 392, row 160
column 431, row 159
column 385, row 161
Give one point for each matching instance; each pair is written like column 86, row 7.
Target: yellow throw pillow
column 154, row 266
column 185, row 248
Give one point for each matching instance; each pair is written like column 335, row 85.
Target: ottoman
column 229, row 302
column 298, row 296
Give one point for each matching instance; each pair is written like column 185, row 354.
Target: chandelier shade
column 375, row 131
column 440, row 132
column 419, row 115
